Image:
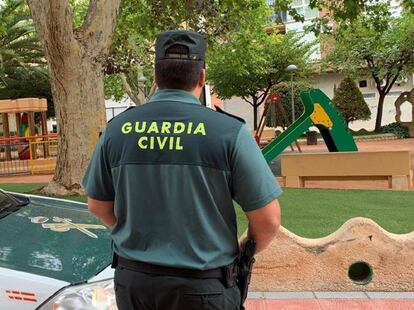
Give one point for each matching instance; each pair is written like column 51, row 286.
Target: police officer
column 164, row 176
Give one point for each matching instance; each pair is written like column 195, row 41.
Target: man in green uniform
column 164, row 176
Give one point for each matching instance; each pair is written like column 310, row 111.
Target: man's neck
column 196, row 92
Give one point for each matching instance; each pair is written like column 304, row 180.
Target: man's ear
column 202, row 78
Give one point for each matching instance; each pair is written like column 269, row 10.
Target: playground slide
column 319, row 112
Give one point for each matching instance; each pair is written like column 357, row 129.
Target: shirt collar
column 174, row 95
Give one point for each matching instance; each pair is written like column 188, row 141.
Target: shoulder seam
column 220, row 110
column 127, row 109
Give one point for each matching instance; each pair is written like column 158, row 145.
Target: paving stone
column 391, row 295
column 341, row 295
column 310, row 304
column 255, row 295
column 254, row 304
column 348, row 304
column 289, row 295
column 391, row 304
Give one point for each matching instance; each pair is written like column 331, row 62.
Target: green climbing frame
column 319, row 112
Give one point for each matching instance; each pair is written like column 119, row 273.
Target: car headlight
column 92, row 296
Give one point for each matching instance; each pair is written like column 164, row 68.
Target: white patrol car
column 54, row 255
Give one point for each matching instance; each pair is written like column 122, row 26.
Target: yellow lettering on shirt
column 200, row 129
column 164, row 135
column 190, row 126
column 126, row 128
column 141, row 144
column 143, row 127
column 165, row 128
column 161, row 142
column 153, row 128
column 179, row 127
column 178, row 145
column 171, row 146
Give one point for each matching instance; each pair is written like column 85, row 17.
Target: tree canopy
column 19, row 45
column 348, row 98
column 375, row 44
column 132, row 53
column 23, row 71
column 251, row 62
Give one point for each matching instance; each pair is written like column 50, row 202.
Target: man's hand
column 103, row 210
column 263, row 225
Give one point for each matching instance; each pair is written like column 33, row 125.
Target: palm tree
column 23, row 70
column 19, row 45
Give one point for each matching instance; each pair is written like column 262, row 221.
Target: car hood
column 55, row 238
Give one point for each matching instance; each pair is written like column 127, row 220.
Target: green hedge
column 396, row 128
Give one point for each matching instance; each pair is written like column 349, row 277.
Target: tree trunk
column 380, row 109
column 80, row 114
column 75, row 60
column 255, row 111
column 128, row 89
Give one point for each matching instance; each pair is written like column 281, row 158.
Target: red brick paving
column 329, row 304
column 43, row 178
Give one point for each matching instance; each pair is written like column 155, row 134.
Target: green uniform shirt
column 173, row 168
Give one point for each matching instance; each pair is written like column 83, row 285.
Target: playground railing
column 43, row 153
column 10, row 164
column 18, row 154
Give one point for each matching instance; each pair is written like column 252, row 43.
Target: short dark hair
column 178, row 73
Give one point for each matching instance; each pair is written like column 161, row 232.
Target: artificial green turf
column 316, row 213
column 34, row 189
column 27, row 188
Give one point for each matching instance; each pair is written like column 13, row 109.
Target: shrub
column 397, row 129
column 349, row 100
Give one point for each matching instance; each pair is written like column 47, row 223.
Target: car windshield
column 10, row 203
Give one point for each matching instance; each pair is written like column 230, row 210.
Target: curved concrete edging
column 293, row 263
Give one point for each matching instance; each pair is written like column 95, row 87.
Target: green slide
column 319, row 112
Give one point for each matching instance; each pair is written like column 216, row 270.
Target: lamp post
column 292, row 69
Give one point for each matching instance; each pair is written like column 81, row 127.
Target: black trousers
column 141, row 291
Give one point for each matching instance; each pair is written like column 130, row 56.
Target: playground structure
column 319, row 111
column 344, row 162
column 405, row 97
column 359, row 256
column 19, row 153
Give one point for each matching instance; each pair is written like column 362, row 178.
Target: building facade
column 328, row 81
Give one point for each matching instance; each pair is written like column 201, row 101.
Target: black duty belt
column 217, row 273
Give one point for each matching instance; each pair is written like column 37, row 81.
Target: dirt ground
column 396, row 145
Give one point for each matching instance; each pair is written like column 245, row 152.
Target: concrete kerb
column 330, row 295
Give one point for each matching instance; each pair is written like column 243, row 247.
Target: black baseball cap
column 195, row 43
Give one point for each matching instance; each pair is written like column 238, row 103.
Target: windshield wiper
column 12, row 203
column 22, row 203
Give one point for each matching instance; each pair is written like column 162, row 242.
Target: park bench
column 393, row 166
